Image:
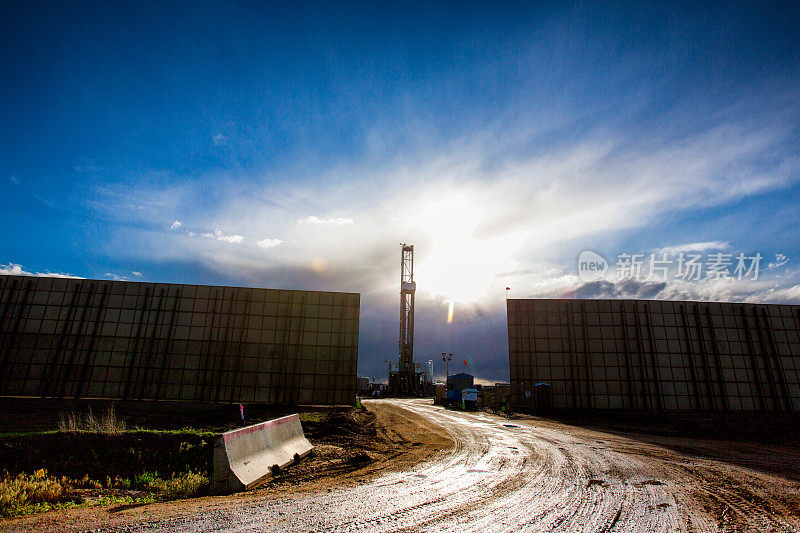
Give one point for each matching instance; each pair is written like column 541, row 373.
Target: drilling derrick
column 407, row 289
column 406, row 380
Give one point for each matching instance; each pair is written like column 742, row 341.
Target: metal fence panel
column 656, row 355
column 69, row 338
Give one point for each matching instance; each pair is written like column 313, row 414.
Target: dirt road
column 518, row 475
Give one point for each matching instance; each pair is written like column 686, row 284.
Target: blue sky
column 296, row 145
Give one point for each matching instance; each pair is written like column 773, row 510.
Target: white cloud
column 776, row 290
column 13, row 269
column 330, row 221
column 733, row 290
column 15, row 180
column 220, row 236
column 268, row 243
column 789, row 295
column 137, row 274
column 116, row 277
column 175, row 225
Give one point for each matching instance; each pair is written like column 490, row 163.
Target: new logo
column 591, row 266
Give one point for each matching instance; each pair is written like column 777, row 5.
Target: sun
column 460, row 265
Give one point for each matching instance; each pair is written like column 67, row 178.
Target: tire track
column 529, row 475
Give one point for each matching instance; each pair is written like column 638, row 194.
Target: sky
column 296, row 145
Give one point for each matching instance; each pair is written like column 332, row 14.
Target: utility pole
column 446, row 358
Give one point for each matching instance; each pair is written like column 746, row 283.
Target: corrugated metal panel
column 123, row 340
column 656, row 355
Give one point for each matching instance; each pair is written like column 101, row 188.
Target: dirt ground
column 353, row 446
column 406, row 465
column 349, row 448
column 740, row 485
column 766, row 442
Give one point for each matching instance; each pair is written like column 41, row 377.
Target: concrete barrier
column 245, row 456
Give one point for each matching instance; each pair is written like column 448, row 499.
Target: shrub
column 144, row 480
column 179, row 486
column 25, row 493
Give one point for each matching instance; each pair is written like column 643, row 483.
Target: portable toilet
column 440, row 389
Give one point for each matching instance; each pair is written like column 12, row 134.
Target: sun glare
column 460, row 266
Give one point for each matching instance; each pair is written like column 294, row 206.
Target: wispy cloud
column 329, row 221
column 693, row 247
column 88, row 166
column 155, row 196
column 137, row 274
column 175, row 225
column 483, row 210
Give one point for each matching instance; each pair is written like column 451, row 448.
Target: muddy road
column 508, row 475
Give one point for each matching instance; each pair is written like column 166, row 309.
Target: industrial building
column 642, row 355
column 87, row 339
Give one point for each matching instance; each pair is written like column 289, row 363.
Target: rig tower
column 407, row 290
column 406, row 380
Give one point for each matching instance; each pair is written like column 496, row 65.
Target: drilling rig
column 406, row 380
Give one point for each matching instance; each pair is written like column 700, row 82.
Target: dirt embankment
column 350, row 446
column 99, row 455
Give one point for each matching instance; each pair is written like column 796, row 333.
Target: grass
column 27, row 494
column 311, row 416
column 12, row 434
column 98, row 461
column 178, row 486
